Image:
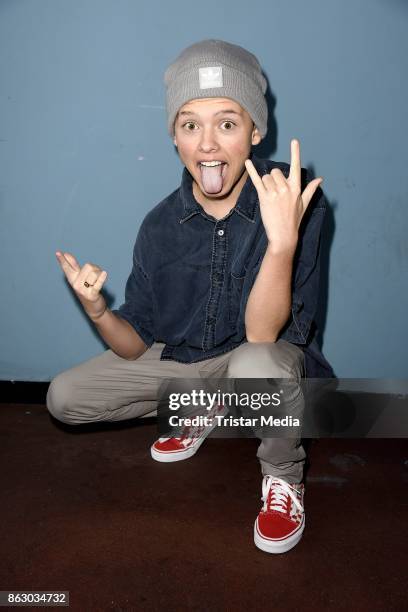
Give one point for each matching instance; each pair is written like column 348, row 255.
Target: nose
column 208, row 141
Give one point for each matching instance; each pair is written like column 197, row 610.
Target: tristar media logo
column 210, row 77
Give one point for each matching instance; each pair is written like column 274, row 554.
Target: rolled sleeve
column 137, row 308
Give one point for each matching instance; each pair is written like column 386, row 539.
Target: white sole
column 277, row 546
column 171, row 456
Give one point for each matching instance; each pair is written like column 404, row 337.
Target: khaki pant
column 109, row 388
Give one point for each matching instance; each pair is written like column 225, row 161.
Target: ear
column 256, row 137
column 175, row 141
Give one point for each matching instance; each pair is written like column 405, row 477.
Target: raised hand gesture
column 86, row 282
column 282, row 205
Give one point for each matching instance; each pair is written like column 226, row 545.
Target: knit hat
column 216, row 69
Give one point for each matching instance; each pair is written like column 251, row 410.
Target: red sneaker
column 184, row 447
column 281, row 521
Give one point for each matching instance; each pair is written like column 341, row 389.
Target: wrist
column 96, row 317
column 284, row 250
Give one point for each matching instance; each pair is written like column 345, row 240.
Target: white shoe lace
column 184, row 439
column 189, row 433
column 279, row 495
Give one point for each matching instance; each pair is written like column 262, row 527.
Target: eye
column 189, row 126
column 228, row 125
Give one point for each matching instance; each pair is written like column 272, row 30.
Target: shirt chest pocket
column 242, row 278
column 236, row 280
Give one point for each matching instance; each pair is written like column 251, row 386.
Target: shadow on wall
column 329, row 227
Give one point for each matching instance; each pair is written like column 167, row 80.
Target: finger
column 66, row 266
column 269, row 182
column 100, row 280
column 69, row 259
column 90, row 279
column 309, row 191
column 295, row 165
column 89, row 273
column 279, row 178
column 256, row 179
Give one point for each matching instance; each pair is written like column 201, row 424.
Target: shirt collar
column 247, row 199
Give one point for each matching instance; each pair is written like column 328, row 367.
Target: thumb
column 309, row 191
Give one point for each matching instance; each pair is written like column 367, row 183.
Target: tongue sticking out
column 212, row 178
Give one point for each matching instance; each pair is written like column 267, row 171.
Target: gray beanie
column 216, row 69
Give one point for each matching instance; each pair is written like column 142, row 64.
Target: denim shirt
column 192, row 275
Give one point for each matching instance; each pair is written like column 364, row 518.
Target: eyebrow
column 228, row 111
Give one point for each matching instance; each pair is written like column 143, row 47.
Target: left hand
column 282, row 205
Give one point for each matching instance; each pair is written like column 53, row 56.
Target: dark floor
column 86, row 510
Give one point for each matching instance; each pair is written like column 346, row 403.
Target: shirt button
column 220, row 232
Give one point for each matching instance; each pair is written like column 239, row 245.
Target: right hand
column 90, row 297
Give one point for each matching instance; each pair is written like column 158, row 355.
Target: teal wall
column 84, row 154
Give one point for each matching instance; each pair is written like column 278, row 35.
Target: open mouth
column 213, row 175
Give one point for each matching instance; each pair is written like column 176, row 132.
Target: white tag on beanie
column 210, row 77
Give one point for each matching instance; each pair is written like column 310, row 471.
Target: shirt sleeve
column 138, row 306
column 306, row 272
